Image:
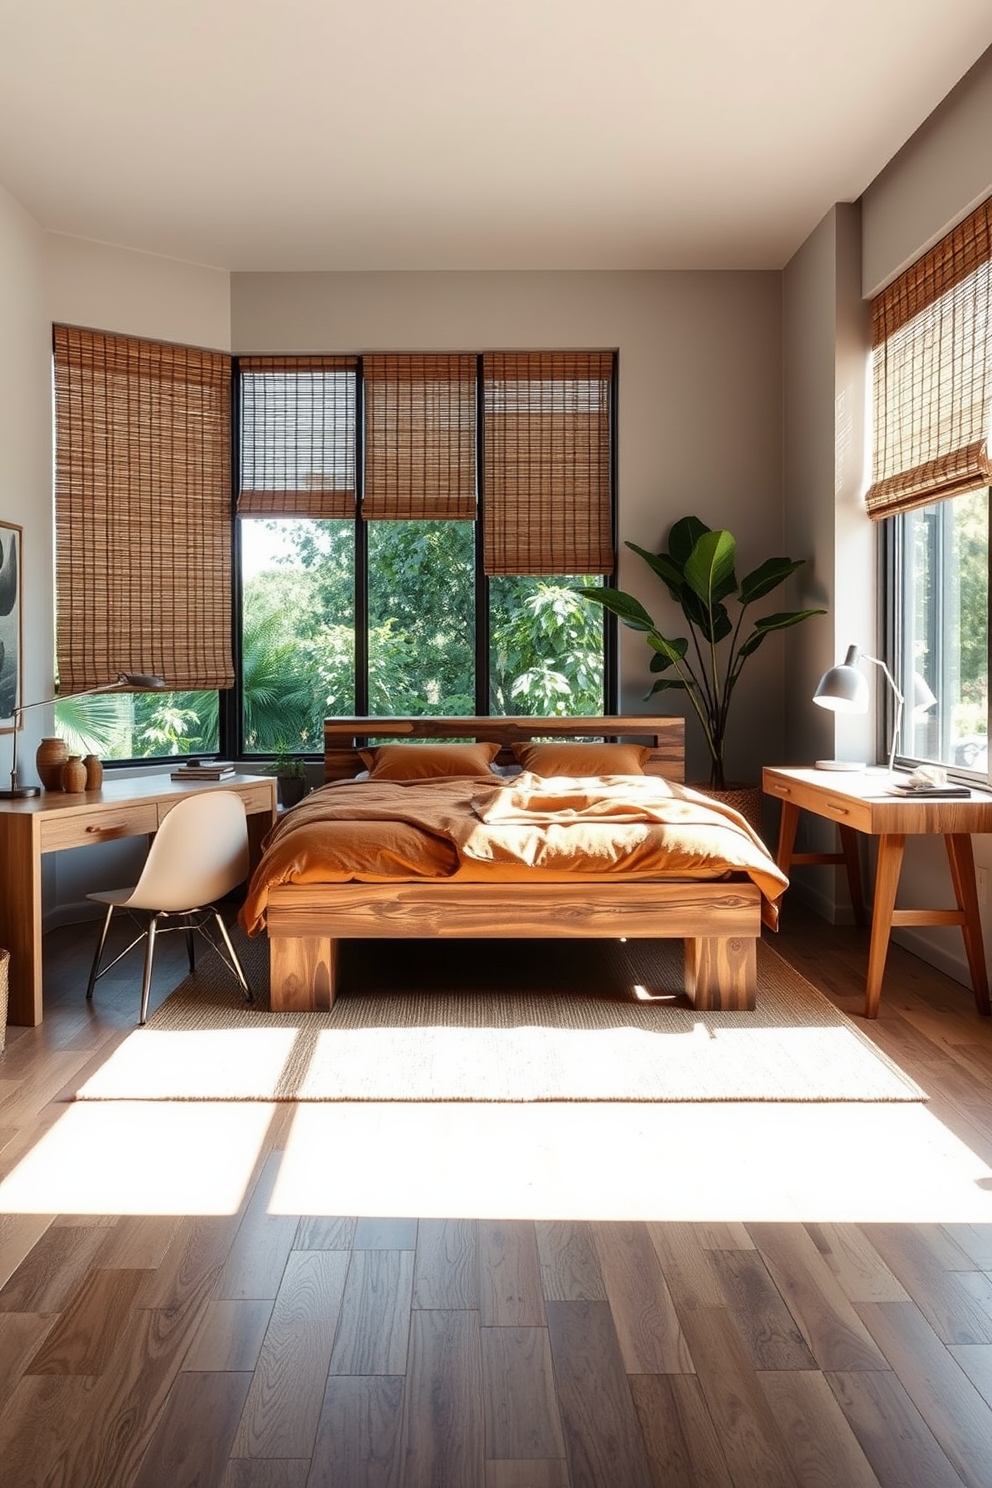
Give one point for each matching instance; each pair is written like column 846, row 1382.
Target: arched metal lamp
column 844, row 689
column 123, row 682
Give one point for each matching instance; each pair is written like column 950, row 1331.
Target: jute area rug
column 498, row 1021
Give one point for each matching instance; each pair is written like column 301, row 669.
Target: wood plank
column 927, row 1262
column 374, row 1324
column 603, row 1442
column 836, row 1335
column 257, row 1260
column 21, row 1335
column 961, row 1421
column 42, row 1415
column 385, row 1234
column 88, row 1330
column 764, row 1322
column 51, row 1270
column 258, row 1472
column 443, row 1422
column 230, row 1337
column 447, row 1265
column 358, row 1438
column 687, row 1264
column 818, row 1437
column 325, row 1232
column 648, row 1328
column 511, row 1274
column 860, row 1271
column 195, row 1430
column 894, row 1437
column 547, row 1474
column 681, row 1440
column 521, row 1412
column 748, row 1431
column 137, row 1242
column 283, row 1406
column 976, row 1361
column 569, row 1263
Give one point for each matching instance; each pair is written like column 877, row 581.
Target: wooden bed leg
column 721, row 973
column 303, row 972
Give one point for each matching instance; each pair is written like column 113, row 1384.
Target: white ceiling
column 452, row 134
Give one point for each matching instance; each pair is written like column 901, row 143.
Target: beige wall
column 700, row 404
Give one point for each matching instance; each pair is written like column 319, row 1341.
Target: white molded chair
column 198, row 854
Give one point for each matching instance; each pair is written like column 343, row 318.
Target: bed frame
column 719, row 922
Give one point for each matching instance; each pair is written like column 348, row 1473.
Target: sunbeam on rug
column 433, row 1021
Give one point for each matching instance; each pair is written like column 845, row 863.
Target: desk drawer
column 102, row 824
column 256, row 798
column 847, row 811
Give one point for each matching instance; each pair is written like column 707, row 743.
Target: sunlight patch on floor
column 841, row 1163
column 140, row 1157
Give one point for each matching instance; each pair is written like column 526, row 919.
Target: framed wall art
column 10, row 624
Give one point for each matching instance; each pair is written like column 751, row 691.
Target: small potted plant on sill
column 291, row 776
column 698, row 570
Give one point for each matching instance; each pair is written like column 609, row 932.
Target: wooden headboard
column 665, row 737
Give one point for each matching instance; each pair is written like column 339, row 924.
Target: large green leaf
column 625, row 606
column 766, row 577
column 670, row 650
column 683, row 537
column 668, row 572
column 709, row 569
column 769, row 623
column 713, row 622
column 664, row 683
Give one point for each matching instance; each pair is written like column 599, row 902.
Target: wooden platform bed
column 719, row 922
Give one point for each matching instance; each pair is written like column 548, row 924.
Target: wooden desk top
column 154, row 787
column 859, row 799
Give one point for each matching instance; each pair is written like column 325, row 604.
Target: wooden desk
column 54, row 821
column 858, row 802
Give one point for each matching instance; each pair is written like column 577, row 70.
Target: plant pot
column 291, row 789
column 747, row 799
column 74, row 775
column 48, row 761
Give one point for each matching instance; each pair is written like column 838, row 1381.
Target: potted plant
column 291, row 776
column 698, row 570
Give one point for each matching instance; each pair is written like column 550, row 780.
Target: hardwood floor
column 597, row 1297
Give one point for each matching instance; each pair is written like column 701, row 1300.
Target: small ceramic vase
column 94, row 771
column 51, row 756
column 73, row 774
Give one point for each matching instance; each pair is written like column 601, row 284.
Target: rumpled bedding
column 472, row 829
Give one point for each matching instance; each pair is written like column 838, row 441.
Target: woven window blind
column 297, row 437
column 143, row 511
column 931, row 345
column 546, row 432
column 420, row 426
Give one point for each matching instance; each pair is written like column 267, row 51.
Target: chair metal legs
column 190, row 925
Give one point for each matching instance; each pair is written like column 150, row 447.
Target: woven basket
column 746, row 799
column 4, row 967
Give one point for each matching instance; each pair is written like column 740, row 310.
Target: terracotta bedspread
column 475, row 828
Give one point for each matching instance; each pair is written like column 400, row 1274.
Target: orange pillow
column 582, row 759
column 428, row 761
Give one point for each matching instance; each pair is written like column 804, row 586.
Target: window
column 932, row 379
column 397, row 591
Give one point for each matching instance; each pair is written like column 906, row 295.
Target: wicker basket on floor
column 4, row 967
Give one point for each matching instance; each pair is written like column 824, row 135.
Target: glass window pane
column 139, row 725
column 298, row 630
column 421, row 618
column 943, row 631
column 545, row 647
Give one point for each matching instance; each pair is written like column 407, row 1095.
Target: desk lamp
column 844, row 689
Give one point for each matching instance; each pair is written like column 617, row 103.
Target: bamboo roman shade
column 143, row 511
column 420, row 427
column 297, row 437
column 931, row 344
column 546, row 433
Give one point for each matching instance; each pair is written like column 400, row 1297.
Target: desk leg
column 891, row 847
column 852, row 861
column 788, row 822
column 961, row 858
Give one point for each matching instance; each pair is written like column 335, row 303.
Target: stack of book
column 194, row 769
